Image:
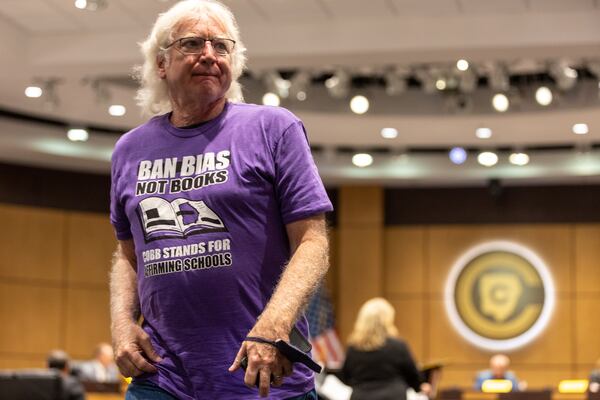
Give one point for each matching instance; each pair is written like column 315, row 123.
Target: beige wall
column 409, row 266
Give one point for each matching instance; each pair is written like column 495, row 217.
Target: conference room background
column 392, row 242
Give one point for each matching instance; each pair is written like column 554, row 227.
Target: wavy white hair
column 153, row 95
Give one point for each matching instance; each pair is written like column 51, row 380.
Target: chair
column 30, row 385
column 545, row 394
column 449, row 394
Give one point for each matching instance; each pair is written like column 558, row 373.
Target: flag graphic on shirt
column 327, row 348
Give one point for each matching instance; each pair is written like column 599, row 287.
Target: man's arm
column 305, row 270
column 132, row 345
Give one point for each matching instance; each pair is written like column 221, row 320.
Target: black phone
column 299, row 340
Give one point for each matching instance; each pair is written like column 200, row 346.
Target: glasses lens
column 192, row 45
column 222, row 46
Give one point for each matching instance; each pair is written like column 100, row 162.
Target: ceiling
column 52, row 39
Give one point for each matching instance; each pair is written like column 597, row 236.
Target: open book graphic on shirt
column 179, row 218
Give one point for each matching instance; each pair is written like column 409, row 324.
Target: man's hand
column 133, row 349
column 264, row 360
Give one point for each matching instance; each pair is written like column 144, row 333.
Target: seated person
column 72, row 389
column 499, row 364
column 102, row 368
column 379, row 365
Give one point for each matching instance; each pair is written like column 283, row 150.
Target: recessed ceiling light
column 90, row 5
column 117, row 110
column 270, row 99
column 77, row 135
column 362, row 159
column 519, row 159
column 462, row 65
column 543, row 96
column 33, row 91
column 440, row 84
column 500, row 102
column 359, row 104
column 487, row 159
column 580, row 129
column 483, row 133
column 301, row 95
column 389, row 133
column 458, row 155
column 570, row 72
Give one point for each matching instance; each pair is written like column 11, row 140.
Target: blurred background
column 437, row 125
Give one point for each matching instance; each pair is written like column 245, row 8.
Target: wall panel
column 404, row 260
column 90, row 245
column 32, row 243
column 587, row 338
column 32, row 318
column 410, row 324
column 587, row 255
column 88, row 321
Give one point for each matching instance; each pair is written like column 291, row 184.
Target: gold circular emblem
column 501, row 294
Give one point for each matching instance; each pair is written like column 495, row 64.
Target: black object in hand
column 295, row 351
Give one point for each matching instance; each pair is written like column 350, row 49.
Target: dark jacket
column 381, row 374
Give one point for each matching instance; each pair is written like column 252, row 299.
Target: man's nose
column 208, row 54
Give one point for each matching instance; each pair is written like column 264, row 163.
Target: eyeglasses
column 195, row 45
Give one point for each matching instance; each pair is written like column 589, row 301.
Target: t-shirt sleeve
column 298, row 186
column 118, row 217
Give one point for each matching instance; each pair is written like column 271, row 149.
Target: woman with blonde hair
column 379, row 365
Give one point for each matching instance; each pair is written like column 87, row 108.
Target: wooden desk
column 104, row 396
column 473, row 395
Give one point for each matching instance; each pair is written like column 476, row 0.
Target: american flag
column 327, row 348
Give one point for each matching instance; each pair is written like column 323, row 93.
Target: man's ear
column 161, row 62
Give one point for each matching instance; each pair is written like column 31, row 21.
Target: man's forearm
column 301, row 276
column 124, row 302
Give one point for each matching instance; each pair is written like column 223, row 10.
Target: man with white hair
column 219, row 213
column 102, row 367
column 499, row 364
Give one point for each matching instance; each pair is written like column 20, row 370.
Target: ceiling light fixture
column 543, row 95
column 580, row 129
column 440, row 84
column 117, row 110
column 276, row 84
column 91, row 5
column 519, row 158
column 483, row 133
column 33, row 91
column 487, row 159
column 78, row 135
column 359, row 104
column 301, row 95
column 389, row 133
column 338, row 85
column 563, row 74
column 462, row 65
column 500, row 102
column 498, row 78
column 458, row 155
column 395, row 81
column 362, row 160
column 271, row 99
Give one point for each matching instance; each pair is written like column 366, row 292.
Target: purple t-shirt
column 207, row 209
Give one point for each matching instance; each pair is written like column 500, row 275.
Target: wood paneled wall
column 53, row 283
column 409, row 265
